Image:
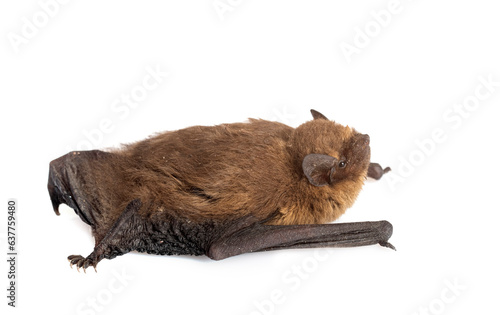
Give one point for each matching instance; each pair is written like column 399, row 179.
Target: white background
column 273, row 60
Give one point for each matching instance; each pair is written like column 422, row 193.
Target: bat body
column 221, row 190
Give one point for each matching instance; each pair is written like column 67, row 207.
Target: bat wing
column 260, row 237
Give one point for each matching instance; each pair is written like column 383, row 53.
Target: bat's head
column 332, row 158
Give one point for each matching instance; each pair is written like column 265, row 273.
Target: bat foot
column 81, row 262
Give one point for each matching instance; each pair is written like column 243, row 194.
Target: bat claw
column 81, row 262
column 387, row 244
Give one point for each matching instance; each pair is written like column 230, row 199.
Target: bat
column 221, row 191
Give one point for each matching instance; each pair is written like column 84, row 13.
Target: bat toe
column 81, row 262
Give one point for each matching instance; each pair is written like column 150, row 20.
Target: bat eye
column 342, row 164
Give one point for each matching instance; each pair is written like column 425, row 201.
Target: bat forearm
column 271, row 237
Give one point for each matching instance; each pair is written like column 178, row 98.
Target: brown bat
column 221, row 191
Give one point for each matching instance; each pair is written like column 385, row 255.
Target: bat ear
column 318, row 115
column 319, row 168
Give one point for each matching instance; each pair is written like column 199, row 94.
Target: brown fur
column 221, row 191
column 233, row 170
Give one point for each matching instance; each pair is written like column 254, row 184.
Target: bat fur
column 221, row 190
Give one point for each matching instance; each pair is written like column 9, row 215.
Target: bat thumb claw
column 387, row 244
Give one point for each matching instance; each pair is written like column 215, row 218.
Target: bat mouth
column 361, row 150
